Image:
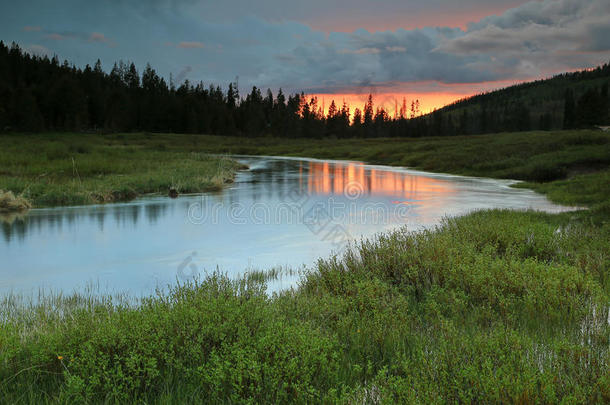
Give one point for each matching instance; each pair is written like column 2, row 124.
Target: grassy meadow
column 494, row 307
column 76, row 169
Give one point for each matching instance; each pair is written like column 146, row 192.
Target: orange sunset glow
column 391, row 102
column 431, row 95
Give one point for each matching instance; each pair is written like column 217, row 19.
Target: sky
column 436, row 51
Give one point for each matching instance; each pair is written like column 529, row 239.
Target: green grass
column 589, row 190
column 75, row 169
column 493, row 307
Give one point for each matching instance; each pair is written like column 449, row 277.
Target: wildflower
column 60, row 357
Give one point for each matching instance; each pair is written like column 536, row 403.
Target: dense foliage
column 38, row 93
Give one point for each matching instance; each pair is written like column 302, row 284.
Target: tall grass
column 495, row 307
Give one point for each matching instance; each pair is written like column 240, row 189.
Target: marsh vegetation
column 496, row 306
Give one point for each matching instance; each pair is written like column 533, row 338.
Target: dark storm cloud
column 546, row 35
column 272, row 43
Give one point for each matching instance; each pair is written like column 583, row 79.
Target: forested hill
column 565, row 101
column 42, row 94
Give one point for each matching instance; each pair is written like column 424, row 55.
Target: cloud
column 273, row 43
column 349, row 15
column 545, row 26
column 191, row 45
column 361, row 51
column 93, row 37
column 32, row 28
column 549, row 35
column 373, row 51
column 57, row 37
column 396, row 49
column 98, row 37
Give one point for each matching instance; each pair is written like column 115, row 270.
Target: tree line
column 41, row 94
column 565, row 101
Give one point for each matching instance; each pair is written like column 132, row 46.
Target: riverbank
column 70, row 169
column 570, row 167
column 45, row 170
column 493, row 307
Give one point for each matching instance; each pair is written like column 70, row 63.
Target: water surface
column 281, row 213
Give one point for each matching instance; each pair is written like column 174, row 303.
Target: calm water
column 281, row 213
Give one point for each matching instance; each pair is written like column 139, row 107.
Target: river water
column 282, row 213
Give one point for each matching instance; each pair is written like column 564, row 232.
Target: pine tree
column 132, row 79
column 403, row 109
column 569, row 110
column 332, row 111
column 368, row 113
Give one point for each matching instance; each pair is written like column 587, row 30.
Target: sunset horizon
column 434, row 53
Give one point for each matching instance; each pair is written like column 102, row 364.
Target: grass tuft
column 11, row 203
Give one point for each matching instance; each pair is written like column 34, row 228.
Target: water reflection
column 333, row 179
column 139, row 245
column 59, row 220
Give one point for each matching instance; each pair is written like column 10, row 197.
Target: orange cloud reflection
column 355, row 179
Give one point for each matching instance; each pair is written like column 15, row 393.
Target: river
column 282, row 213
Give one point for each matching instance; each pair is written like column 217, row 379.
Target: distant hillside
column 566, row 101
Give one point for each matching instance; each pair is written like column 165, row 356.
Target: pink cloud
column 56, row 37
column 97, row 37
